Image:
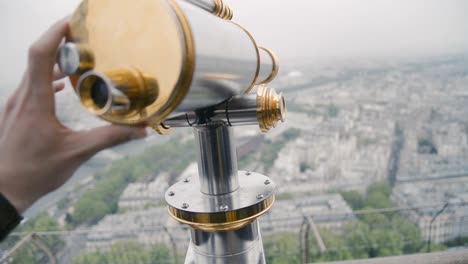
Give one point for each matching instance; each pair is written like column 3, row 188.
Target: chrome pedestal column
column 223, row 204
column 217, row 159
column 218, row 174
column 243, row 245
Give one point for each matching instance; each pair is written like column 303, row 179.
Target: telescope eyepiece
column 95, row 91
column 75, row 59
column 118, row 92
column 100, row 93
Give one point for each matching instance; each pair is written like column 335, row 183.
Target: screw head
column 223, row 207
column 260, row 196
column 186, row 180
column 171, row 193
column 185, row 205
column 267, row 182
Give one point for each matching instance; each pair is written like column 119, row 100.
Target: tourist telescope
column 169, row 64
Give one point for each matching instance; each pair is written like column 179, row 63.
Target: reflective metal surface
column 221, row 212
column 226, row 60
column 265, row 108
column 217, row 159
column 208, row 5
column 239, row 111
column 243, row 245
column 75, row 59
column 242, row 111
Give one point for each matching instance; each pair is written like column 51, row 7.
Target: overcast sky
column 292, row 28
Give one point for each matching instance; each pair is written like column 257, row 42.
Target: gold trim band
column 222, row 10
column 257, row 72
column 271, row 108
column 275, row 70
column 222, row 221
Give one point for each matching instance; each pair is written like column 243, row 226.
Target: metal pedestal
column 243, row 245
column 223, row 204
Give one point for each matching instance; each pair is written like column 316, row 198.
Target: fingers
column 58, row 86
column 42, row 56
column 58, row 74
column 104, row 137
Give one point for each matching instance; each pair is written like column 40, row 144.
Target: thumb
column 104, row 137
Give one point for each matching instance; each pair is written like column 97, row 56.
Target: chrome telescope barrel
column 159, row 58
column 208, row 5
column 265, row 108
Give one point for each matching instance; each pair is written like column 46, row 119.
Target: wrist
column 17, row 203
column 12, row 193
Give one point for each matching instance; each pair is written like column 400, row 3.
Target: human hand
column 38, row 154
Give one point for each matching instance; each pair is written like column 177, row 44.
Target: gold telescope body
column 145, row 61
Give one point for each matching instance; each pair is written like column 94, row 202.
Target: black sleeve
column 9, row 217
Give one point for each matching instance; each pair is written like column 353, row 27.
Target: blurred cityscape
column 371, row 162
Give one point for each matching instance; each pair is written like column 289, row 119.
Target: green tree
column 378, row 200
column 374, row 220
column 357, row 239
column 378, row 195
column 89, row 211
column 336, row 247
column 435, row 248
column 29, row 254
column 409, row 232
column 457, row 242
column 380, row 187
column 282, row 248
column 385, row 243
column 126, row 253
column 172, row 157
column 354, row 199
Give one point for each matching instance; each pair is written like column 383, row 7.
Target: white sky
column 292, row 28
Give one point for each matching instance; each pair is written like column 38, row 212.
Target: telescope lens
column 100, row 93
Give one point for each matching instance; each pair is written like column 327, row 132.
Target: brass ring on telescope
column 218, row 7
column 188, row 68
column 271, row 108
column 275, row 69
column 257, row 72
column 222, row 221
column 222, row 10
